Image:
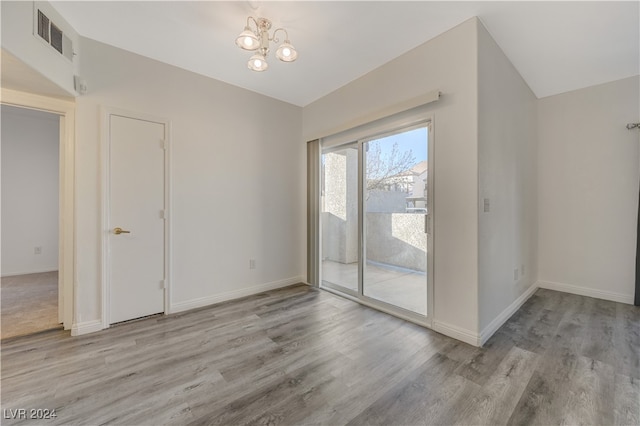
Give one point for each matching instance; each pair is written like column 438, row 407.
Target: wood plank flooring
column 29, row 304
column 303, row 356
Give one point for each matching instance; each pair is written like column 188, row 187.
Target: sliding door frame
column 405, row 314
column 333, row 287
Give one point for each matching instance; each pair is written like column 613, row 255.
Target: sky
column 414, row 140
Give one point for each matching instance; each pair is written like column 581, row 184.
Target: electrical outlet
column 252, row 264
column 516, row 274
column 522, row 269
column 37, row 250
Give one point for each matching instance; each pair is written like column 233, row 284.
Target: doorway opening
column 30, row 221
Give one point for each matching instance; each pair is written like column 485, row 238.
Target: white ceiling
column 556, row 46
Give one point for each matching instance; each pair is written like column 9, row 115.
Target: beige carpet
column 29, row 304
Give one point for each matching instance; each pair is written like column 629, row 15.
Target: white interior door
column 136, row 206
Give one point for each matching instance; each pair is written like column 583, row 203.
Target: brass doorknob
column 119, row 231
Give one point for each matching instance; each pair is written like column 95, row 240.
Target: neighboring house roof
column 421, row 167
column 416, row 170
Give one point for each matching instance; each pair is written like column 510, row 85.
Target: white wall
column 507, row 177
column 18, row 39
column 588, row 183
column 237, row 176
column 30, row 146
column 447, row 63
column 238, row 172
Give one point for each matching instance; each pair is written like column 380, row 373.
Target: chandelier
column 259, row 40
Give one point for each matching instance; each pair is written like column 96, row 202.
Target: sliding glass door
column 339, row 219
column 395, row 219
column 375, row 221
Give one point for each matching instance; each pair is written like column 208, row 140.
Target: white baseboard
column 78, row 329
column 585, row 291
column 38, row 271
column 506, row 314
column 230, row 295
column 458, row 333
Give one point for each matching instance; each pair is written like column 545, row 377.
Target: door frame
column 326, row 285
column 376, row 303
column 427, row 321
column 105, row 143
column 67, row 304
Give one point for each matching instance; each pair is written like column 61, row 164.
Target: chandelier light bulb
column 257, row 63
column 286, row 52
column 247, row 40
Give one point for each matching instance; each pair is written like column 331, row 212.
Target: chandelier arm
column 275, row 39
column 251, row 18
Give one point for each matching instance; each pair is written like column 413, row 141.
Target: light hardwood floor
column 29, row 304
column 303, row 356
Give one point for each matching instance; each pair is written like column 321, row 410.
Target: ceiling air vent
column 43, row 26
column 54, row 36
